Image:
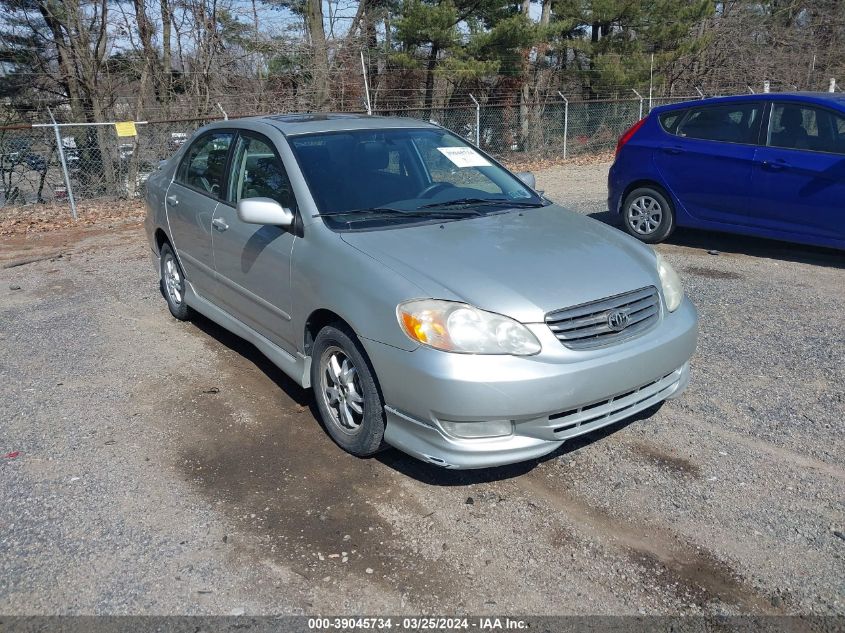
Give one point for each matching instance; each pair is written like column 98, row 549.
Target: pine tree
column 617, row 37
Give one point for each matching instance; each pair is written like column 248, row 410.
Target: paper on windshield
column 464, row 156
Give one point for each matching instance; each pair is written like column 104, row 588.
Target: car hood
column 520, row 264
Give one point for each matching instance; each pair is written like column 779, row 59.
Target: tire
column 648, row 215
column 172, row 283
column 347, row 393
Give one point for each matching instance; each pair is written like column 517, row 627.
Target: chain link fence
column 100, row 163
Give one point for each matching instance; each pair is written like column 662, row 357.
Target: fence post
column 767, row 86
column 477, row 121
column 61, row 149
column 832, row 87
column 565, row 121
column 366, row 85
column 641, row 102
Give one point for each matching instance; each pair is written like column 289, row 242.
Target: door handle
column 775, row 165
column 673, row 150
column 219, row 224
column 172, row 200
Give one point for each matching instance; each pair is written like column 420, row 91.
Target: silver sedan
column 433, row 300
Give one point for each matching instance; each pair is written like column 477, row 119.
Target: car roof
column 835, row 99
column 310, row 123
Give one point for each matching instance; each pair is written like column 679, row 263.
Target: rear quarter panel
column 154, row 200
column 635, row 163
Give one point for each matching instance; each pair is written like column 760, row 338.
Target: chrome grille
column 587, row 325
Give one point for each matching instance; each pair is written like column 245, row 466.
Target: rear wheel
column 347, row 395
column 648, row 215
column 173, row 283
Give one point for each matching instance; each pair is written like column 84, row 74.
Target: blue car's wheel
column 648, row 215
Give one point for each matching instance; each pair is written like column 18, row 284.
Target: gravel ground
column 168, row 468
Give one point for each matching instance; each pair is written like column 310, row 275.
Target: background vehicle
column 768, row 165
column 420, row 288
column 17, row 153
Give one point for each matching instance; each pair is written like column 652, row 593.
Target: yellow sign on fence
column 126, row 128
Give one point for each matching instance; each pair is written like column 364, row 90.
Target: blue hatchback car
column 769, row 165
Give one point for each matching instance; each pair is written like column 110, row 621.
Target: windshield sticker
column 464, row 156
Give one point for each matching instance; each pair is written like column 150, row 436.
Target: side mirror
column 161, row 164
column 264, row 211
column 528, row 178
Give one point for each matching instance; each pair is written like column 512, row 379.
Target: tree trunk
column 429, row 80
column 314, row 22
column 150, row 54
column 67, row 67
column 166, row 81
column 524, row 88
column 545, row 18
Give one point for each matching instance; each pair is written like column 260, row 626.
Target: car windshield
column 404, row 174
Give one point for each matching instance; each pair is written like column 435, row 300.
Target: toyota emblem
column 617, row 320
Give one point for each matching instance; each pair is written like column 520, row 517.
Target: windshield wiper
column 392, row 212
column 485, row 201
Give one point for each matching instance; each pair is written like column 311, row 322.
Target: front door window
column 796, row 126
column 258, row 173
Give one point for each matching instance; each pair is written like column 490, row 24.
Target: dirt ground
column 157, row 467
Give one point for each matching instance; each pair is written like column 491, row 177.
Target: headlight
column 457, row 327
column 673, row 292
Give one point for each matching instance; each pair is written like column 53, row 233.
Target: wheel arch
column 161, row 239
column 320, row 318
column 316, row 321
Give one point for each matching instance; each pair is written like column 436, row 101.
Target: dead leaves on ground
column 40, row 218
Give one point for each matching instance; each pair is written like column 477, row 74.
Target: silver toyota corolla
column 433, row 300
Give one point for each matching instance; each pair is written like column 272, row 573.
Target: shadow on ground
column 302, row 397
column 744, row 245
column 392, row 458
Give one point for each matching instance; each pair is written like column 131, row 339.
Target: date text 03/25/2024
column 417, row 623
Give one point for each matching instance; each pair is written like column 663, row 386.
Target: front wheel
column 648, row 215
column 346, row 391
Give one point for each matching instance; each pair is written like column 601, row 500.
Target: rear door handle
column 775, row 165
column 673, row 150
column 219, row 224
column 172, row 200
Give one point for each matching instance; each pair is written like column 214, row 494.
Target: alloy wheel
column 645, row 215
column 172, row 279
column 340, row 389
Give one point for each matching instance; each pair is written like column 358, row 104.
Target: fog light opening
column 476, row 430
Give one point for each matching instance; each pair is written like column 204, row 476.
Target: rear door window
column 804, row 127
column 730, row 123
column 204, row 166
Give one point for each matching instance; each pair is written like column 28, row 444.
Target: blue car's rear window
column 669, row 120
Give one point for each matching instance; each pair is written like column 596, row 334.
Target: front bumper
column 549, row 398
